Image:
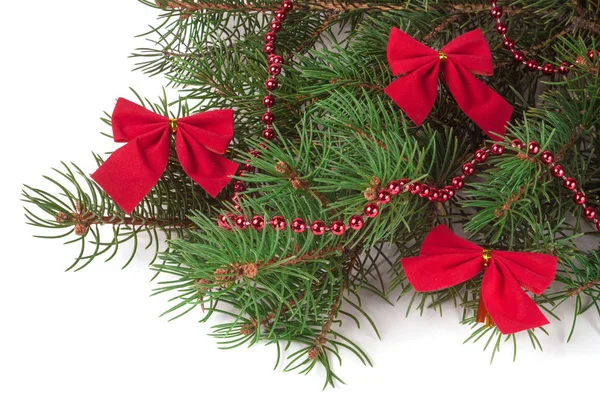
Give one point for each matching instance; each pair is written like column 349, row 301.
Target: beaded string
column 274, row 62
column 531, row 64
column 403, row 185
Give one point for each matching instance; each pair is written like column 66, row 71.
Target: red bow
column 200, row 140
column 447, row 260
column 466, row 55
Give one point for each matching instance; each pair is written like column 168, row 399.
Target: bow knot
column 173, row 125
column 200, row 142
column 415, row 92
column 487, row 257
column 447, row 260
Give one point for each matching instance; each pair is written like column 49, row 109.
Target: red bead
column 480, row 156
column 270, row 36
column 223, row 222
column 496, row 12
column 547, row 69
column 318, row 228
column 269, row 47
column 257, row 222
column 298, row 225
column 403, row 183
column 274, row 69
column 592, row 54
column 434, row 194
column 278, row 223
column 254, row 153
column 394, row 187
column 579, row 198
column 275, row 26
column 518, row 56
column 372, row 210
column 275, row 59
column 268, row 118
column 450, row 190
column 558, row 171
column 497, row 150
column 414, row 188
column 338, row 228
column 424, row 192
column 508, row 43
column 501, row 28
column 443, row 196
column 458, row 182
column 589, row 213
column 533, row 148
column 269, row 134
column 271, row 84
column 468, row 169
column 517, row 143
column 240, row 222
column 356, row 222
column 269, row 101
column 547, row 157
column 570, row 184
column 239, row 187
column 280, row 15
column 563, row 68
column 532, row 65
column 287, row 5
column 384, row 197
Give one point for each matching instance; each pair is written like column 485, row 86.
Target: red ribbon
column 200, row 140
column 447, row 260
column 469, row 54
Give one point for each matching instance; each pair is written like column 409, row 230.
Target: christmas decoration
column 447, row 260
column 346, row 165
column 131, row 171
column 466, row 55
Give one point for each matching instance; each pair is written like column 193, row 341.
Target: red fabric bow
column 469, row 54
column 447, row 260
column 200, row 140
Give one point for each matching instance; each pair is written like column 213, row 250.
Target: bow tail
column 209, row 170
column 131, row 171
column 416, row 103
column 511, row 309
column 485, row 107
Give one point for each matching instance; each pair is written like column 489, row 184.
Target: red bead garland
column 396, row 187
column 508, row 43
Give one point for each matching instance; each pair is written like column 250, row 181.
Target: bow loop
column 471, row 51
column 447, row 260
column 416, row 90
column 131, row 171
column 213, row 129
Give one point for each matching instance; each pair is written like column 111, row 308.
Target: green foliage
column 340, row 138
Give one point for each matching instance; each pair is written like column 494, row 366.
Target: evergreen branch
column 576, row 291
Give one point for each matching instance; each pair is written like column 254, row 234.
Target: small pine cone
column 313, row 353
column 61, row 217
column 249, row 270
column 80, row 229
column 370, row 194
column 222, row 274
column 282, row 168
column 296, row 183
column 580, row 60
column 248, row 329
column 375, row 182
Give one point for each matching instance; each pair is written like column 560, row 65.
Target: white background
column 96, row 334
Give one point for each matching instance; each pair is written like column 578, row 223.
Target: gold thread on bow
column 482, row 315
column 173, row 125
column 443, row 56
